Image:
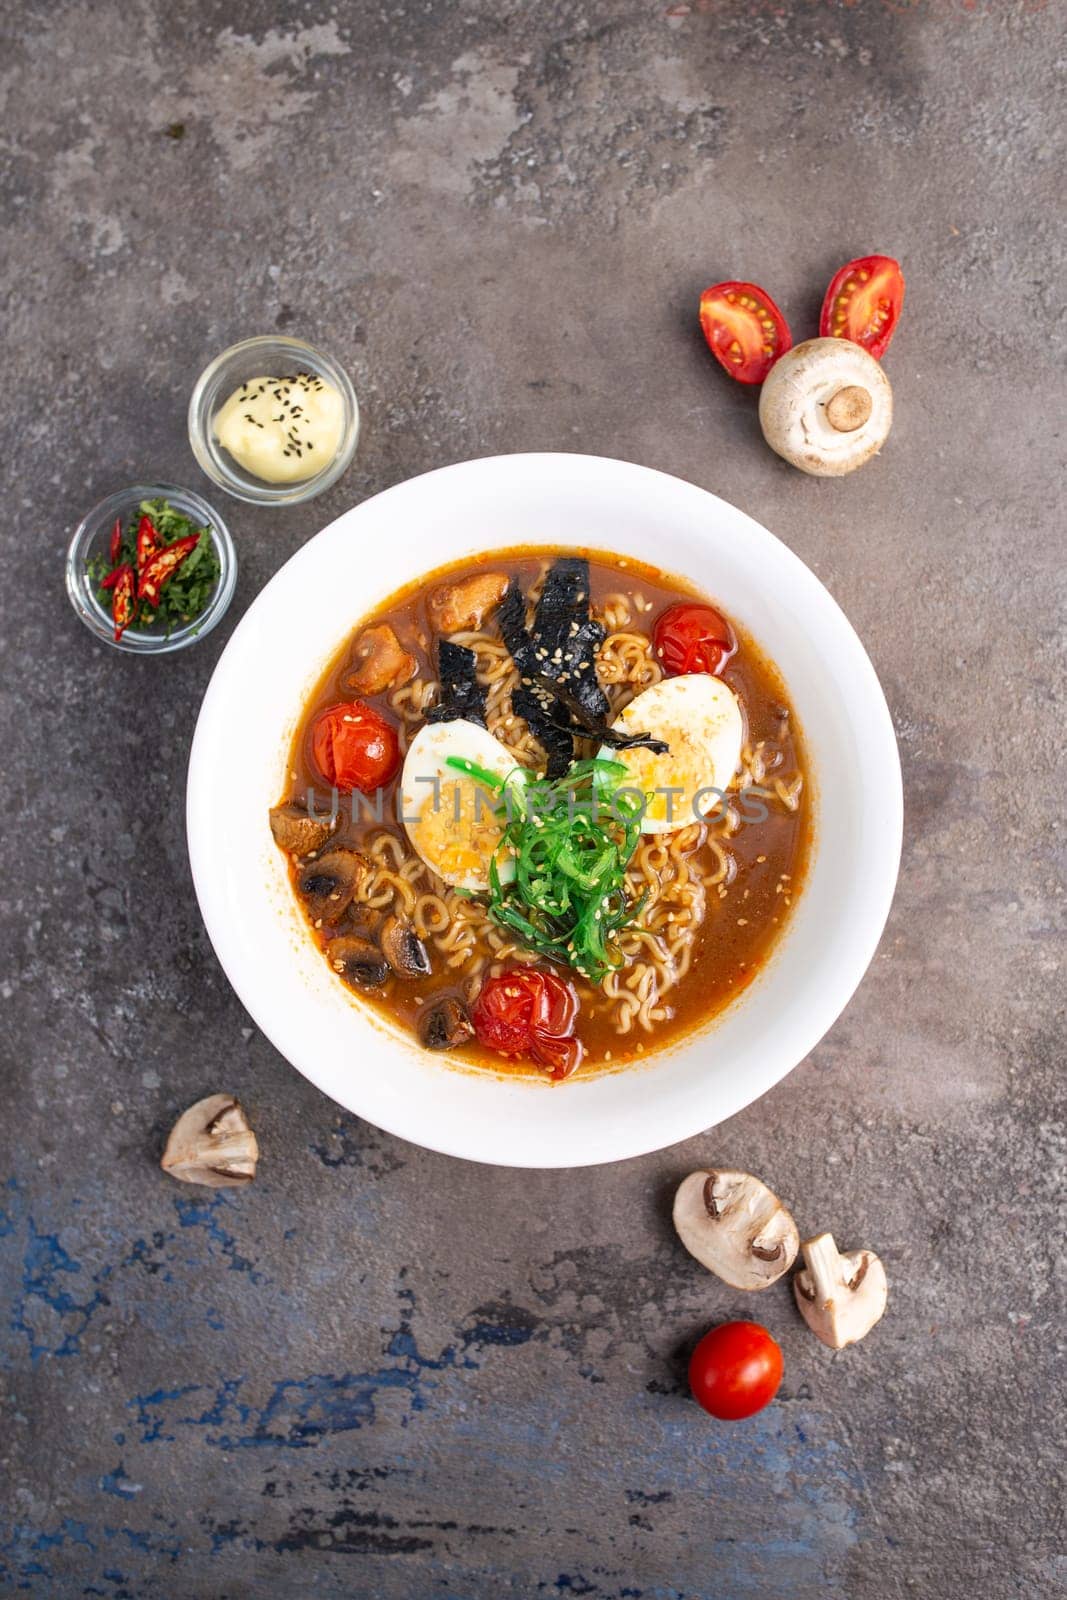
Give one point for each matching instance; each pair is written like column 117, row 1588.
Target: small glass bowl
column 92, row 537
column 276, row 355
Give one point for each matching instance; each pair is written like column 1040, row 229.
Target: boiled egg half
column 449, row 812
column 699, row 718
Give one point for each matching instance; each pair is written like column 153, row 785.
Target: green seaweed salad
column 572, row 840
column 185, row 586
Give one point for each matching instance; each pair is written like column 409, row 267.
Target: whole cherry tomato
column 692, row 638
column 863, row 303
column 745, row 330
column 529, row 1011
column 354, row 747
column 735, row 1370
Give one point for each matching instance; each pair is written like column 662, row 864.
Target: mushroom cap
column 358, row 960
column 328, row 883
column 444, row 1024
column 736, row 1227
column 403, row 949
column 212, row 1144
column 796, row 395
column 298, row 832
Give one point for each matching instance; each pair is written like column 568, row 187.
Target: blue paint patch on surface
column 50, row 1296
column 299, row 1412
column 152, row 1428
column 209, row 1214
column 117, row 1482
column 147, row 1543
column 297, row 1415
column 20, row 1551
column 51, row 1313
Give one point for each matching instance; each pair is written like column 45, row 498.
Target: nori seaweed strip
column 461, row 693
column 558, row 742
column 511, row 614
column 535, row 706
column 560, row 697
column 590, row 727
column 566, row 634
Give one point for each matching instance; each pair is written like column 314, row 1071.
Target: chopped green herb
column 572, row 841
column 188, row 591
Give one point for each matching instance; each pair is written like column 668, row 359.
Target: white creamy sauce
column 282, row 429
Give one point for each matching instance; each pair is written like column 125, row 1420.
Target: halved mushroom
column 840, row 1297
column 212, row 1144
column 445, row 1024
column 826, row 406
column 358, row 960
column 736, row 1227
column 455, row 606
column 403, row 949
column 298, row 832
column 328, row 883
column 379, row 662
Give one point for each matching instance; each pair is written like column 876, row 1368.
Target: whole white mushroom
column 826, row 407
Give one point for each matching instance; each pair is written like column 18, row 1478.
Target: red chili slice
column 122, row 598
column 116, row 541
column 745, row 330
column 863, row 303
column 147, row 542
column 162, row 566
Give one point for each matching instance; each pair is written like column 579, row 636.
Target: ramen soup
column 546, row 811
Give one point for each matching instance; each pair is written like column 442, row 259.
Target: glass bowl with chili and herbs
column 151, row 569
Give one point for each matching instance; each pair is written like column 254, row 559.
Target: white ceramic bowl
column 237, row 771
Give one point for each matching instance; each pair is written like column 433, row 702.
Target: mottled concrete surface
column 380, row 1372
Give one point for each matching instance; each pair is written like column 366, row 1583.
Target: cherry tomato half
column 692, row 638
column 735, row 1370
column 354, row 747
column 529, row 1011
column 863, row 303
column 745, row 330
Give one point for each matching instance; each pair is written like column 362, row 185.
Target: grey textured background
column 380, row 1372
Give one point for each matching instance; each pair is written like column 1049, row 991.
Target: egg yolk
column 682, row 769
column 457, row 830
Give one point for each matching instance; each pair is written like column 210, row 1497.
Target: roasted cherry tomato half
column 863, row 303
column 692, row 638
column 744, row 328
column 560, row 1056
column 529, row 1011
column 735, row 1370
column 354, row 747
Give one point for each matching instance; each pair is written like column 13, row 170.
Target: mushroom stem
column 826, row 407
column 823, row 1261
column 840, row 1297
column 849, row 408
